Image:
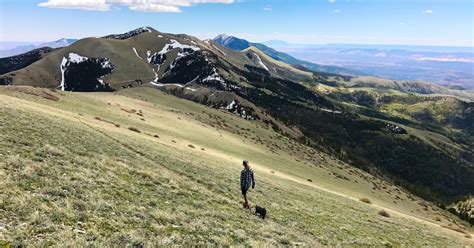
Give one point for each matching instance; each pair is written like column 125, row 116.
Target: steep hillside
column 255, row 86
column 406, row 86
column 23, row 60
column 139, row 167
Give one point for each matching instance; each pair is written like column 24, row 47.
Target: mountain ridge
column 27, row 48
column 235, row 43
column 14, row 63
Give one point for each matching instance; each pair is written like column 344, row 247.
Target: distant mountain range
column 417, row 134
column 26, row 48
column 450, row 66
column 238, row 44
column 277, row 44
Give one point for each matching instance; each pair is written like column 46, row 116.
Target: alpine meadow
column 272, row 131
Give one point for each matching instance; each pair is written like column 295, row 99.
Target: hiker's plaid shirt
column 246, row 178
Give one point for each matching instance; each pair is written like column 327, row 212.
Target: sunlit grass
column 76, row 173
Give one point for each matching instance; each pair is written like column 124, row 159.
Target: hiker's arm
column 241, row 180
column 253, row 181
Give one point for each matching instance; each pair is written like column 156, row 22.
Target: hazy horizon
column 7, row 44
column 421, row 22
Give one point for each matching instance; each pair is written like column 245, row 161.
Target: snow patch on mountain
column 223, row 37
column 156, row 78
column 106, row 63
column 74, row 58
column 63, row 67
column 238, row 110
column 149, row 56
column 331, row 111
column 157, row 84
column 185, row 50
column 158, row 58
column 231, row 105
column 163, row 85
column 175, row 44
column 191, row 89
column 217, row 48
column 213, row 77
column 136, row 53
column 71, row 58
column 259, row 60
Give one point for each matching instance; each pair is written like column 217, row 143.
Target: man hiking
column 246, row 180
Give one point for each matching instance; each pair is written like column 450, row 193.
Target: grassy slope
column 410, row 107
column 408, row 86
column 70, row 178
column 127, row 66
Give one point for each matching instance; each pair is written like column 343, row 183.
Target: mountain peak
column 63, row 41
column 146, row 28
column 223, row 37
column 58, row 43
column 232, row 42
column 130, row 34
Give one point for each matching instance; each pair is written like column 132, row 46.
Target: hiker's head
column 245, row 163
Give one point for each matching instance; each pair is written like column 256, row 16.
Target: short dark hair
column 245, row 162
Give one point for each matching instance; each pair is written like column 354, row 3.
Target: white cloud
column 337, row 11
column 151, row 7
column 100, row 5
column 443, row 59
column 332, row 1
column 428, row 11
column 268, row 8
column 137, row 5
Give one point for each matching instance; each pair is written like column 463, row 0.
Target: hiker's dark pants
column 244, row 193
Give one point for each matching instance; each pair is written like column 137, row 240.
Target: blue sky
column 408, row 22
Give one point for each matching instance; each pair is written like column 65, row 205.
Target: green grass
column 71, row 179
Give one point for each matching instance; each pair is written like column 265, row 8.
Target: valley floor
column 140, row 167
